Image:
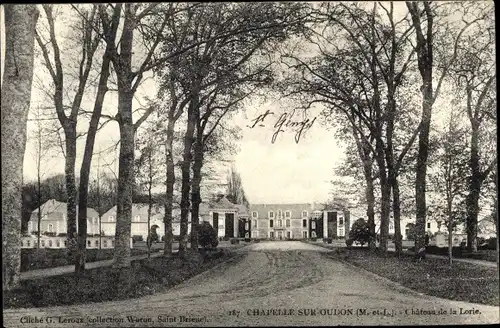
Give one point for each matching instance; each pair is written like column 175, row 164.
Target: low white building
column 54, row 219
column 139, row 225
column 61, row 242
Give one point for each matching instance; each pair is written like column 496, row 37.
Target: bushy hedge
column 33, row 259
column 207, row 236
column 137, row 238
column 490, row 243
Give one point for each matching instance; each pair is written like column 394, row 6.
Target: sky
column 279, row 172
column 282, row 171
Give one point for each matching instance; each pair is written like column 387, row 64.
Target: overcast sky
column 279, row 172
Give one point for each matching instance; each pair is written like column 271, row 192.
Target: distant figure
column 421, row 254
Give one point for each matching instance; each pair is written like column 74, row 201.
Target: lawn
column 33, row 259
column 145, row 277
column 461, row 282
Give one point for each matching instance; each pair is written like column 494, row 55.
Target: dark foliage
column 360, row 232
column 207, row 236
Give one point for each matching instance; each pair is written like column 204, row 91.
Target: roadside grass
column 33, row 259
column 461, row 282
column 144, row 277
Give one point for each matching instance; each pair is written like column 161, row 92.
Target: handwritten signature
column 285, row 120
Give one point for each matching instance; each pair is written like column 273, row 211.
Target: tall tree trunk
column 370, row 212
column 386, row 196
column 150, row 199
column 195, row 189
column 125, row 183
column 69, row 170
column 421, row 173
column 472, row 199
column 169, row 194
column 123, row 66
column 495, row 215
column 450, row 232
column 186, row 167
column 86, row 166
column 20, row 22
column 396, row 211
column 424, row 49
column 39, row 213
column 366, row 158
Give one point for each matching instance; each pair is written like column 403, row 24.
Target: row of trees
column 392, row 58
column 373, row 62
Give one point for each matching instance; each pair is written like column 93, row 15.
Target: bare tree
column 90, row 41
column 423, row 15
column 20, row 22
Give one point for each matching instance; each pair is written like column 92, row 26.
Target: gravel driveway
column 276, row 283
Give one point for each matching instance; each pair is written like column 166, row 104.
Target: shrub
column 360, row 232
column 235, row 241
column 247, row 240
column 349, row 242
column 329, row 240
column 225, row 238
column 256, row 240
column 62, row 234
column 136, row 238
column 314, row 239
column 207, row 236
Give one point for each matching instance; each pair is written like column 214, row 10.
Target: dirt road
column 276, row 283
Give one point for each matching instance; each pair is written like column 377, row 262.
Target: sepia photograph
column 227, row 164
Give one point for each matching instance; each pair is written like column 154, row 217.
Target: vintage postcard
column 208, row 164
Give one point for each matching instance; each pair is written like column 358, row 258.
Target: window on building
column 341, row 232
column 391, row 227
column 304, row 214
column 288, row 223
column 280, row 223
column 97, row 243
column 89, row 243
column 280, row 214
column 65, row 243
column 50, row 228
column 112, row 243
column 254, row 214
column 105, row 243
column 341, row 221
column 304, row 234
column 28, row 243
column 313, row 234
column 246, row 225
column 289, row 234
column 428, row 225
column 58, row 243
column 271, row 222
column 313, row 225
column 271, row 234
column 43, row 243
column 304, row 223
column 255, row 223
column 271, row 214
column 50, row 243
column 288, row 214
column 111, row 218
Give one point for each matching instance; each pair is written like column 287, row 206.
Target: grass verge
column 34, row 259
column 462, row 282
column 144, row 277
